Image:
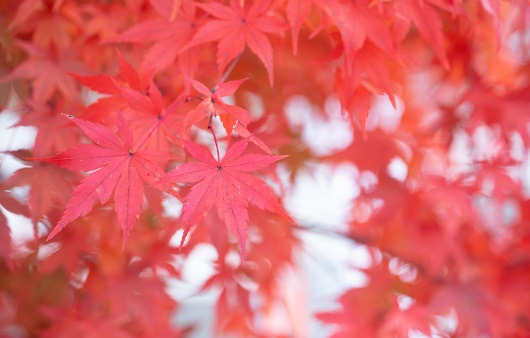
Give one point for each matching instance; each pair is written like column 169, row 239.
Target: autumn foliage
column 163, row 126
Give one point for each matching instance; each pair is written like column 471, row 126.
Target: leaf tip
column 125, row 237
column 243, row 252
column 184, row 235
column 243, row 257
column 55, row 231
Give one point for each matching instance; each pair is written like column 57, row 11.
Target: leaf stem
column 229, row 70
column 210, row 126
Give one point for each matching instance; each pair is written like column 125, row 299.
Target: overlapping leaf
column 236, row 27
column 233, row 117
column 169, row 35
column 213, row 103
column 227, row 184
column 48, row 70
column 121, row 167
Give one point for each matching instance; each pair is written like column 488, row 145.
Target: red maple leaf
column 233, row 117
column 357, row 22
column 237, row 27
column 137, row 96
column 122, row 167
column 427, row 22
column 297, row 11
column 169, row 36
column 213, row 103
column 51, row 22
column 226, row 184
column 49, row 187
column 48, row 70
column 53, row 134
column 129, row 78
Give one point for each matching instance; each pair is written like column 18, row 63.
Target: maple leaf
column 126, row 91
column 214, row 104
column 372, row 310
column 399, row 322
column 122, row 167
column 428, row 23
column 104, row 21
column 48, row 71
column 234, row 28
column 479, row 311
column 226, row 184
column 25, row 10
column 49, row 186
column 112, row 85
column 51, row 23
column 169, row 36
column 137, row 94
column 356, row 22
column 363, row 76
column 297, row 11
column 233, row 117
column 53, row 134
column 141, row 299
